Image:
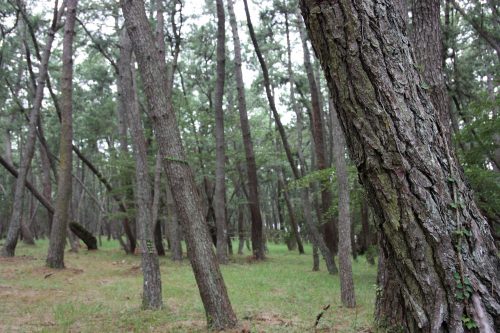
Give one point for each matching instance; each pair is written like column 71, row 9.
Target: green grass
column 100, row 291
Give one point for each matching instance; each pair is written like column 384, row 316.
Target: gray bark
column 220, row 152
column 345, row 267
column 211, row 286
column 55, row 255
column 151, row 294
column 253, row 185
column 432, row 231
column 29, row 150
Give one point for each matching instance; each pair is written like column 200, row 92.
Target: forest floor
column 100, row 291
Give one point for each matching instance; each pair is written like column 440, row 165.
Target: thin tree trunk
column 9, row 247
column 156, row 206
column 151, row 295
column 253, row 185
column 345, row 268
column 174, row 229
column 291, row 213
column 314, row 233
column 432, row 231
column 211, row 285
column 55, row 255
column 318, row 137
column 241, row 227
column 220, row 154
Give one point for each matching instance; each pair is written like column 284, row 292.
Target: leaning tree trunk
column 220, row 152
column 432, row 231
column 253, row 184
column 345, row 268
column 15, row 221
column 55, row 255
column 151, row 294
column 211, row 286
column 85, row 235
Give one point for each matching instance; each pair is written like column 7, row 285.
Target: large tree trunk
column 151, row 295
column 220, row 153
column 253, row 185
column 431, row 229
column 55, row 255
column 15, row 221
column 345, row 267
column 211, row 286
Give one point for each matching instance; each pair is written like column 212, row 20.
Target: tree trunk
column 55, row 255
column 151, row 295
column 432, row 231
column 241, row 228
column 156, row 206
column 314, row 234
column 85, row 235
column 427, row 46
column 220, row 153
column 345, row 267
column 291, row 213
column 319, row 138
column 253, row 185
column 9, row 247
column 211, row 286
column 174, row 229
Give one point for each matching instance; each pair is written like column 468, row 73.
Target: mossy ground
column 100, row 291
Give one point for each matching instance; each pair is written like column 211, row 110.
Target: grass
column 100, row 291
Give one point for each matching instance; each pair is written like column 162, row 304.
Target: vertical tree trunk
column 315, row 236
column 318, row 136
column 55, row 255
column 151, row 294
column 345, row 267
column 174, row 228
column 253, row 185
column 241, row 226
column 220, row 154
column 291, row 213
column 156, row 207
column 15, row 221
column 211, row 286
column 432, row 231
column 428, row 48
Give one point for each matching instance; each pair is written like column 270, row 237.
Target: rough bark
column 253, row 185
column 15, row 220
column 151, row 294
column 55, row 255
column 220, row 152
column 211, row 286
column 427, row 46
column 85, row 235
column 432, row 231
column 345, row 268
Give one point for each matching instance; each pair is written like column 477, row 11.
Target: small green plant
column 469, row 322
column 464, row 289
